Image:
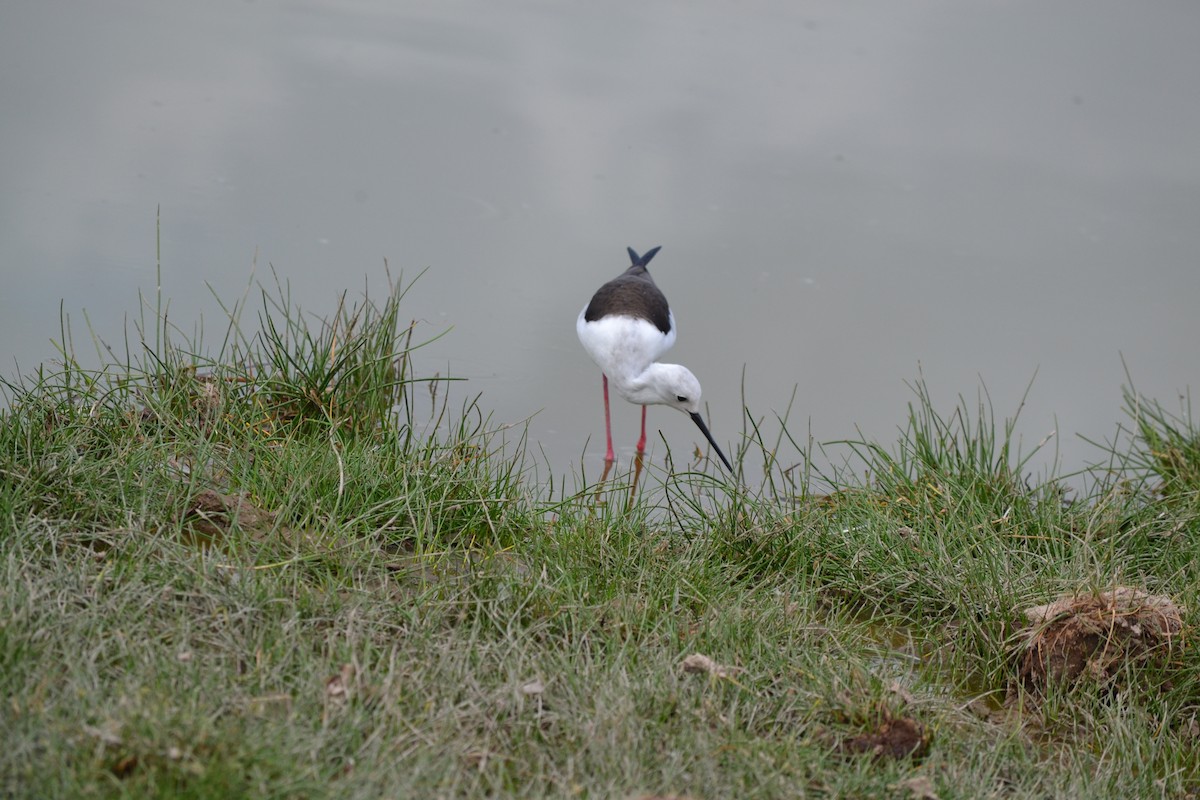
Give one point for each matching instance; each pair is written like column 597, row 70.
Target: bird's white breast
column 623, row 347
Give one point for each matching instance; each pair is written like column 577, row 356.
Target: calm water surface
column 845, row 193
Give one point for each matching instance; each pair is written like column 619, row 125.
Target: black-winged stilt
column 626, row 326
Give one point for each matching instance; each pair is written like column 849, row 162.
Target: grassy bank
column 273, row 571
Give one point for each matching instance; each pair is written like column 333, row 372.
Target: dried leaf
column 337, row 687
column 125, row 766
column 697, row 662
column 898, row 690
column 477, row 759
column 109, row 734
column 920, row 787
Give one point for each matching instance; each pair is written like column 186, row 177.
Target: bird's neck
column 643, row 388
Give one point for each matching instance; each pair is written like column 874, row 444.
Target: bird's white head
column 674, row 385
column 669, row 385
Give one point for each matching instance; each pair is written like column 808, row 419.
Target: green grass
column 383, row 601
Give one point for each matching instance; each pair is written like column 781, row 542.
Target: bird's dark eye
column 681, row 398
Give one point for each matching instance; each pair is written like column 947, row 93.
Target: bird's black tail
column 641, row 261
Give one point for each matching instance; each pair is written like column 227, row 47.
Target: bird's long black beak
column 696, row 418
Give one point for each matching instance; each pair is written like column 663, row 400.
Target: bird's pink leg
column 637, row 473
column 608, row 457
column 641, row 448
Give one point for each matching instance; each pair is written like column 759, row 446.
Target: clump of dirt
column 210, row 515
column 895, row 737
column 1095, row 635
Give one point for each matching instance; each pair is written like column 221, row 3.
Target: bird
column 627, row 325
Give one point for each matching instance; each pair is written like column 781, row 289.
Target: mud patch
column 210, row 515
column 896, row 738
column 1094, row 636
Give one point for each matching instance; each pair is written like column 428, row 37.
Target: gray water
column 846, row 193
